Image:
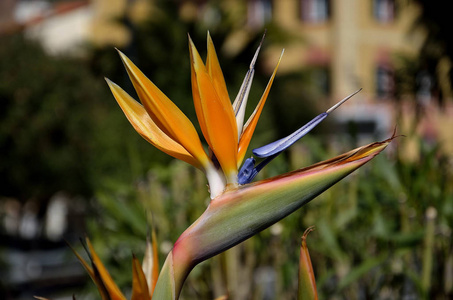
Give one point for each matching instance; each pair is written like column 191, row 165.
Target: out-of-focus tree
column 60, row 129
column 41, row 143
column 436, row 53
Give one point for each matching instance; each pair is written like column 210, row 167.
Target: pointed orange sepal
column 216, row 116
column 140, row 289
column 250, row 126
column 110, row 286
column 167, row 116
column 94, row 276
column 145, row 126
column 106, row 287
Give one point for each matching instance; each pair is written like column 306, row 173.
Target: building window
column 259, row 12
column 314, row 11
column 384, row 10
column 385, row 84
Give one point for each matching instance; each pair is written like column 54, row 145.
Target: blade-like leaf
column 307, row 284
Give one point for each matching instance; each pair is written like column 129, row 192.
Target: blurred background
column 72, row 166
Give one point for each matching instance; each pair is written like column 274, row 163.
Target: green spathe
column 242, row 212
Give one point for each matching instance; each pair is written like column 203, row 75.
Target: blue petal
column 247, row 172
column 270, row 151
column 284, row 143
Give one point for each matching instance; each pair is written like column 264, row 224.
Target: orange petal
column 215, row 72
column 110, row 285
column 250, row 126
column 167, row 116
column 218, row 118
column 145, row 126
column 139, row 286
column 196, row 96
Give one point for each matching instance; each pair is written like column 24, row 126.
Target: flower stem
column 172, row 276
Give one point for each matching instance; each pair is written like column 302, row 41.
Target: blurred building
column 347, row 45
column 352, row 41
column 67, row 27
column 352, row 44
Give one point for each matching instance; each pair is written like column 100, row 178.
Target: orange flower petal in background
column 218, row 118
column 167, row 116
column 111, row 287
column 94, row 276
column 140, row 289
column 145, row 126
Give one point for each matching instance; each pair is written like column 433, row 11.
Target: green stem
column 172, row 275
column 431, row 215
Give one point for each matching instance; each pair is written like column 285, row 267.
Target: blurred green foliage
column 60, row 129
column 42, row 120
column 383, row 233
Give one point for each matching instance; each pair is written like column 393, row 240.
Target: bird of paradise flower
column 239, row 207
